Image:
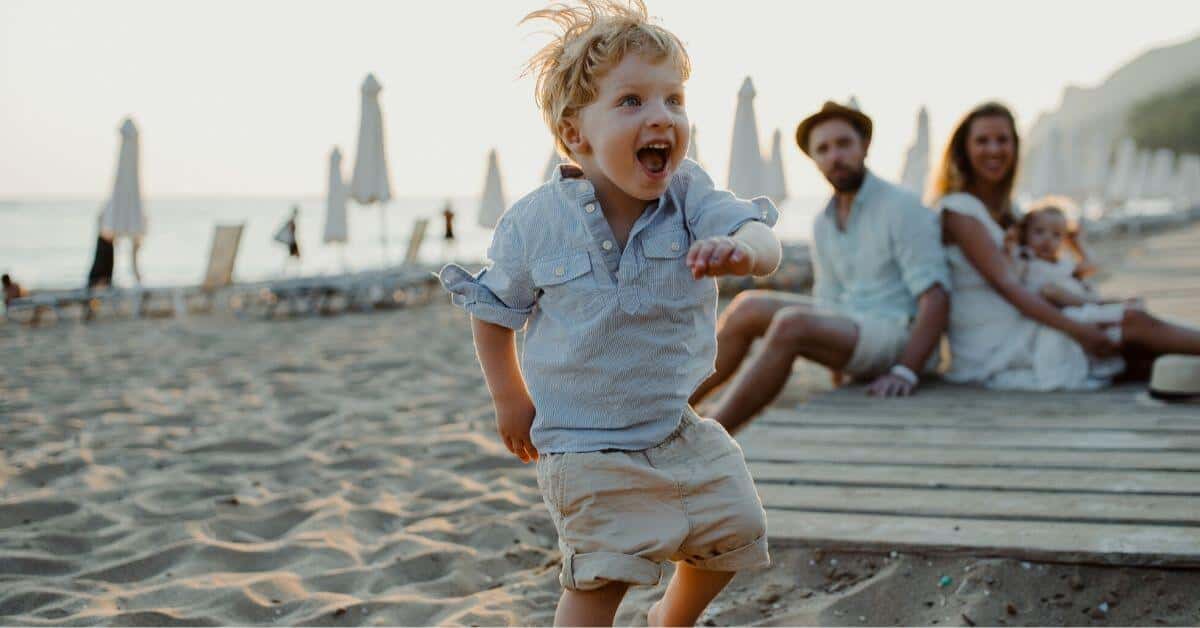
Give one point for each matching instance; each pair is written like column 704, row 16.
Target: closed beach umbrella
column 693, row 152
column 370, row 183
column 1124, row 164
column 335, row 201
column 1139, row 182
column 916, row 162
column 123, row 217
column 1162, row 170
column 746, row 162
column 492, row 204
column 1186, row 188
column 551, row 164
column 776, row 183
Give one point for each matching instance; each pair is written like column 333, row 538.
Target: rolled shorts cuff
column 587, row 572
column 748, row 556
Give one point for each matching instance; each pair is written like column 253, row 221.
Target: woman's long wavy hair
column 955, row 173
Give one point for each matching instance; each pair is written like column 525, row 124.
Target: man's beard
column 850, row 181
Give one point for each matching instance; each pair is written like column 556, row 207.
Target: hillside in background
column 1105, row 108
column 1169, row 120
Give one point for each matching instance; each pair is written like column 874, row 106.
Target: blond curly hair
column 591, row 37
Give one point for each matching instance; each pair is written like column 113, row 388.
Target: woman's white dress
column 992, row 343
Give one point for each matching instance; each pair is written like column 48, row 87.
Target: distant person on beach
column 101, row 273
column 609, row 268
column 998, row 323
column 448, row 216
column 880, row 293
column 287, row 235
column 12, row 289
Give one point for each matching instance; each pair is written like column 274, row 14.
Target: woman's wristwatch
column 906, row 374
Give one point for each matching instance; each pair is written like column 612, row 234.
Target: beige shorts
column 880, row 343
column 621, row 514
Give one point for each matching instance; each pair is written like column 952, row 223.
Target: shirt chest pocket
column 666, row 266
column 566, row 278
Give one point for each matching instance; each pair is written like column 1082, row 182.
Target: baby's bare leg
column 688, row 594
column 590, row 608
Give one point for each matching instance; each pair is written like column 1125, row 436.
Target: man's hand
column 713, row 257
column 513, row 420
column 890, row 385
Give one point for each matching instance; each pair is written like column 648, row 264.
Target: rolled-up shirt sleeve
column 502, row 293
column 916, row 240
column 712, row 212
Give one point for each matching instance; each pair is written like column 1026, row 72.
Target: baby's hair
column 1046, row 206
column 592, row 37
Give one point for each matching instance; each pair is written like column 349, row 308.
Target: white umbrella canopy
column 1139, row 182
column 123, row 216
column 1162, row 169
column 1186, row 186
column 693, row 152
column 492, row 204
column 776, row 184
column 552, row 163
column 1121, row 180
column 1048, row 174
column 335, row 201
column 370, row 183
column 916, row 162
column 746, row 171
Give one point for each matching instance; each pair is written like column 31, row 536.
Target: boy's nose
column 659, row 117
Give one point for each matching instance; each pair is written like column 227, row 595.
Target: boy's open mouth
column 654, row 156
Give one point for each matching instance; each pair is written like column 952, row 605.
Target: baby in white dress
column 1046, row 266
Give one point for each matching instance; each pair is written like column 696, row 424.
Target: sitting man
column 880, row 291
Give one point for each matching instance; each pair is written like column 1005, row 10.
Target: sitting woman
column 1002, row 333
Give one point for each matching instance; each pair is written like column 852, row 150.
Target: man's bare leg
column 590, row 608
column 747, row 318
column 826, row 340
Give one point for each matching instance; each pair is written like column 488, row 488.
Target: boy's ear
column 572, row 136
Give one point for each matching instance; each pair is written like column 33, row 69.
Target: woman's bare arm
column 972, row 238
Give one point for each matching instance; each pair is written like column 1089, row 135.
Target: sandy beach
column 345, row 471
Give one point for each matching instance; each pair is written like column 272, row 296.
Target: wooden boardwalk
column 1105, row 477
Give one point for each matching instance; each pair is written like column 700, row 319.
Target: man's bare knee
column 792, row 327
column 749, row 313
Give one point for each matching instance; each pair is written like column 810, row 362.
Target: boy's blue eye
column 675, row 100
column 632, row 101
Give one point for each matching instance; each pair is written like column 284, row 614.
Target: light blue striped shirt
column 615, row 340
column 889, row 254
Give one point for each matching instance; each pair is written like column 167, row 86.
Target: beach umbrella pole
column 383, row 233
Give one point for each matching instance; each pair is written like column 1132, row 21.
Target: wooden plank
column 1012, row 505
column 979, row 419
column 792, row 448
column 1046, row 541
column 1016, row 439
column 1054, row 480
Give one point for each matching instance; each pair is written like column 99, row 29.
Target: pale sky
column 246, row 98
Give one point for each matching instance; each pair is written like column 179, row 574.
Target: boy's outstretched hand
column 513, row 421
column 713, row 257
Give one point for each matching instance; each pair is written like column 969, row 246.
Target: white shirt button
column 560, row 271
column 674, row 246
column 590, row 207
column 606, row 245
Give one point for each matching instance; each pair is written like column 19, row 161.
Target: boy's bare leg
column 688, row 594
column 590, row 608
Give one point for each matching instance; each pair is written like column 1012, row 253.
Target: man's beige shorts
column 621, row 514
column 880, row 343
